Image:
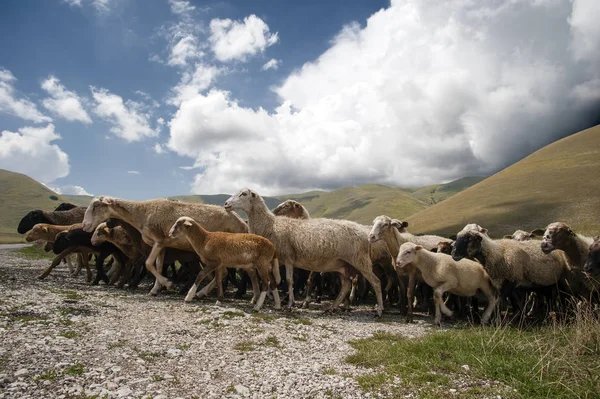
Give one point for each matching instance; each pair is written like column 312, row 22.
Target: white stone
column 21, row 373
column 242, row 390
column 465, row 367
column 174, row 352
column 125, row 391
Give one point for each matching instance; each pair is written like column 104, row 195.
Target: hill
column 361, row 203
column 20, row 194
column 439, row 192
column 559, row 182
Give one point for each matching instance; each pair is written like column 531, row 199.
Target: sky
column 144, row 99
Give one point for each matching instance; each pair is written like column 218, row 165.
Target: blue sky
column 117, row 96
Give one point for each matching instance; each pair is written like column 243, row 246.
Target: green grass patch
column 118, row 344
column 557, row 362
column 69, row 334
column 244, row 346
column 230, row 314
column 272, row 341
column 329, row 371
column 74, row 369
column 302, row 321
column 149, row 356
column 34, row 252
column 264, row 317
column 48, row 375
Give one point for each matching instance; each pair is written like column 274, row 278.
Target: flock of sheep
column 137, row 237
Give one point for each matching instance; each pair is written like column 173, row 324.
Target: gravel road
column 63, row 338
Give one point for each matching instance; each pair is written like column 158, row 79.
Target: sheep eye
column 244, row 194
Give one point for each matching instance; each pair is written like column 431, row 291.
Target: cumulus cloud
column 238, row 40
column 70, row 190
column 73, row 3
column 181, row 7
column 101, row 6
column 193, row 82
column 64, row 103
column 21, row 107
column 129, row 120
column 425, row 92
column 271, row 64
column 158, row 148
column 30, row 151
column 184, row 49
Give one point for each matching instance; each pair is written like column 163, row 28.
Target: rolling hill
column 439, row 192
column 560, row 182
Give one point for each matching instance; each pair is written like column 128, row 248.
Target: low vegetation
column 559, row 361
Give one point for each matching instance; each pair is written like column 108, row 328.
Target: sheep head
column 30, row 220
column 38, row 232
column 180, row 226
column 97, row 212
column 381, row 224
column 468, row 242
column 558, row 235
column 592, row 264
column 444, row 247
column 243, row 200
column 101, row 234
column 406, row 255
column 400, row 225
column 289, row 208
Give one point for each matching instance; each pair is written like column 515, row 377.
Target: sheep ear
column 187, row 223
column 596, row 238
column 404, row 224
column 106, row 201
column 106, row 230
column 45, row 229
column 418, row 247
column 434, row 250
column 538, row 232
column 482, row 230
column 253, row 195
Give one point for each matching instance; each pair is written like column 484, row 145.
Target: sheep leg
column 309, row 282
column 410, row 296
column 207, row 289
column 220, row 274
column 489, row 294
column 152, row 266
column 289, row 277
column 255, row 285
column 438, row 299
column 70, row 264
column 354, row 288
column 276, row 299
column 79, row 260
column 263, row 271
column 100, row 275
column 201, row 276
column 56, row 262
column 344, row 290
column 376, row 285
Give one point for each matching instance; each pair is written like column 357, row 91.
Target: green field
column 559, row 182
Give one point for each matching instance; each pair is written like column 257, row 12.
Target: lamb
column 389, row 230
column 322, row 245
column 444, row 247
column 292, row 209
column 72, row 216
column 510, row 263
column 576, row 247
column 154, row 218
column 443, row 274
column 217, row 249
column 73, row 240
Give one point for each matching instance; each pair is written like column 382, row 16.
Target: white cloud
column 586, row 30
column 181, row 7
column 271, row 64
column 30, row 151
column 130, row 120
column 101, row 6
column 425, row 92
column 21, row 107
column 73, row 3
column 185, row 49
column 70, row 190
column 235, row 40
column 133, row 172
column 194, row 82
column 158, row 148
column 63, row 103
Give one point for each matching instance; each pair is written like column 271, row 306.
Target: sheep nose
column 372, row 237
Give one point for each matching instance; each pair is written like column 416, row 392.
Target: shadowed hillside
column 439, row 192
column 560, row 182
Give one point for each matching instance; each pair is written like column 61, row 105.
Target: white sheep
column 443, row 274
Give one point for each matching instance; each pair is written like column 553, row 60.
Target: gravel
column 63, row 338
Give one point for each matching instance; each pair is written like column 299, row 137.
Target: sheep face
column 406, row 255
column 592, row 264
column 97, row 212
column 380, row 225
column 180, row 226
column 243, row 200
column 400, row 225
column 520, row 235
column 30, row 220
column 557, row 236
column 101, row 234
column 444, row 247
column 467, row 245
column 289, row 208
column 38, row 232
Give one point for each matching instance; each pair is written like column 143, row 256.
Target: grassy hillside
column 560, row 182
column 20, row 194
column 361, row 204
column 439, row 192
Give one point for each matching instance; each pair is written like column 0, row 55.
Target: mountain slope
column 439, row 192
column 560, row 182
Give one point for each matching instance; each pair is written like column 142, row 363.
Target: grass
column 69, row 334
column 230, row 314
column 244, row 346
column 553, row 361
column 75, row 369
column 272, row 341
column 34, row 252
column 329, row 371
column 118, row 344
column 557, row 183
column 149, row 356
column 264, row 317
column 48, row 375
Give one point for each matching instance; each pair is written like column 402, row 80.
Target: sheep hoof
column 42, row 276
column 305, row 305
column 152, row 293
column 277, row 307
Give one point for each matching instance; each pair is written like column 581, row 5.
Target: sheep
column 218, row 249
column 154, row 218
column 72, row 216
column 292, row 209
column 444, row 247
column 521, row 235
column 510, row 263
column 322, row 245
column 65, row 206
column 463, row 278
column 79, row 238
column 389, row 230
column 47, row 232
column 576, row 247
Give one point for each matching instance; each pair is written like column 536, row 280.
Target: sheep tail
column 276, row 271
